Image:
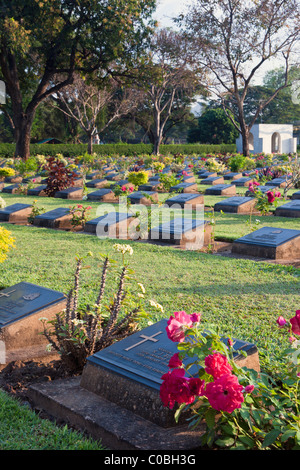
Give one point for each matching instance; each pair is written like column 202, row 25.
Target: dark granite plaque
column 129, row 372
column 290, row 209
column 25, row 299
column 207, row 174
column 11, row 189
column 245, row 181
column 185, row 198
column 57, row 218
column 232, row 176
column 96, row 183
column 269, row 242
column 112, row 225
column 150, row 186
column 213, row 180
column 140, row 197
column 54, row 214
column 188, row 233
column 278, row 182
column 185, row 187
column 69, row 193
column 16, row 213
column 38, row 191
column 296, row 195
column 104, row 194
column 221, row 189
column 112, row 176
column 236, row 204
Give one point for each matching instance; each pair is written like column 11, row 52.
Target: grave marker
column 59, row 218
column 140, row 197
column 112, row 225
column 129, row 372
column 278, row 182
column 185, row 199
column 185, row 187
column 237, row 205
column 233, row 176
column 290, row 209
column 11, row 189
column 16, row 213
column 104, row 195
column 213, row 180
column 70, row 193
column 269, row 242
column 38, row 191
column 21, row 308
column 96, row 183
column 191, row 234
column 245, row 181
column 222, row 190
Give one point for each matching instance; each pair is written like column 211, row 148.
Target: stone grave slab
column 236, row 204
column 213, row 180
column 269, row 242
column 70, row 193
column 129, row 371
column 13, row 179
column 96, row 183
column 185, row 199
column 21, row 308
column 185, row 187
column 113, row 176
column 140, row 197
column 16, row 213
column 150, row 186
column 296, row 195
column 112, row 225
column 188, row 178
column 191, row 234
column 37, row 191
column 222, row 190
column 232, row 176
column 59, row 218
column 207, row 174
column 290, row 209
column 262, row 188
column 78, row 182
column 121, row 183
column 11, row 189
column 278, row 182
column 104, row 195
column 245, row 181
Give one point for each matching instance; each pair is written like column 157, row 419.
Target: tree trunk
column 90, row 143
column 23, row 125
column 245, row 141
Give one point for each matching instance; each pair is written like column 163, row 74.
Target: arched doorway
column 276, row 143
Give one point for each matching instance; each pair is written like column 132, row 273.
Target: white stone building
column 270, row 138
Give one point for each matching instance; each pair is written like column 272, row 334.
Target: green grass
column 243, row 297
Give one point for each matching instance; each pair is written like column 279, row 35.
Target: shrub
column 59, row 176
column 138, row 177
column 6, row 243
column 7, row 172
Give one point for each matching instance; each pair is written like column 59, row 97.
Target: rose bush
column 241, row 408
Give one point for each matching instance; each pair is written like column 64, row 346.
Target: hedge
column 73, row 150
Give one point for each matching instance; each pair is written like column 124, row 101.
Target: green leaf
column 225, row 441
column 271, row 437
column 210, row 418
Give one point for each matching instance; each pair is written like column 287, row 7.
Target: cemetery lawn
column 242, row 297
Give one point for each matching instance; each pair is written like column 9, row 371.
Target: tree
column 40, row 40
column 83, row 101
column 214, row 127
column 170, row 80
column 233, row 39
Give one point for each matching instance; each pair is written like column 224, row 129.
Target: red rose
column 217, row 365
column 295, row 322
column 225, row 393
column 271, row 197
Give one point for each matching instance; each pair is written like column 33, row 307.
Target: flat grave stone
column 185, row 199
column 236, row 204
column 78, row 182
column 191, row 234
column 185, row 187
column 16, row 213
column 21, row 308
column 245, row 181
column 221, row 190
column 129, row 372
column 140, row 197
column 269, row 242
column 290, row 209
column 37, row 191
column 11, row 189
column 111, row 225
column 121, row 183
column 112, row 176
column 150, row 186
column 13, row 179
column 207, row 174
column 213, row 180
column 70, row 193
column 262, row 188
column 188, row 178
column 296, row 195
column 232, row 176
column 96, row 183
column 104, row 195
column 278, row 182
column 59, row 218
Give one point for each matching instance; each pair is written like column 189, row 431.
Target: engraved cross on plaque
column 3, row 294
column 146, row 338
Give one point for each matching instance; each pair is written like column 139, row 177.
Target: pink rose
column 225, row 393
column 177, row 326
column 249, row 388
column 131, row 189
column 185, row 173
column 217, row 365
column 277, row 194
column 177, row 388
column 271, row 197
column 123, row 188
column 281, row 322
column 196, row 317
column 295, row 322
column 175, row 361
